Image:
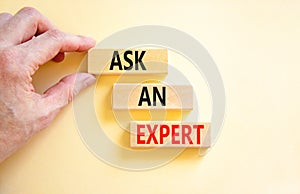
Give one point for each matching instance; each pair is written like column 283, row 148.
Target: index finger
column 45, row 47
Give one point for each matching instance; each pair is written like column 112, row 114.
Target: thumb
column 59, row 95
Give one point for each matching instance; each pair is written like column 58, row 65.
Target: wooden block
column 152, row 96
column 169, row 134
column 118, row 61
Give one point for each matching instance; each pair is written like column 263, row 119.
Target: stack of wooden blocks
column 149, row 96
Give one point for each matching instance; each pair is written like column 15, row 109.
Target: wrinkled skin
column 28, row 40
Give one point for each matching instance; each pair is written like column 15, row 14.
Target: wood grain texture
column 127, row 96
column 172, row 134
column 155, row 61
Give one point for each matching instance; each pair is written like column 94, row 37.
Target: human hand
column 28, row 40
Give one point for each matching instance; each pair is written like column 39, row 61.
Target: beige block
column 128, row 96
column 169, row 134
column 155, row 61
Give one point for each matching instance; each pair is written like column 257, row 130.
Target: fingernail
column 83, row 80
column 91, row 40
column 89, row 79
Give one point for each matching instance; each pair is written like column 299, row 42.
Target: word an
column 146, row 98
